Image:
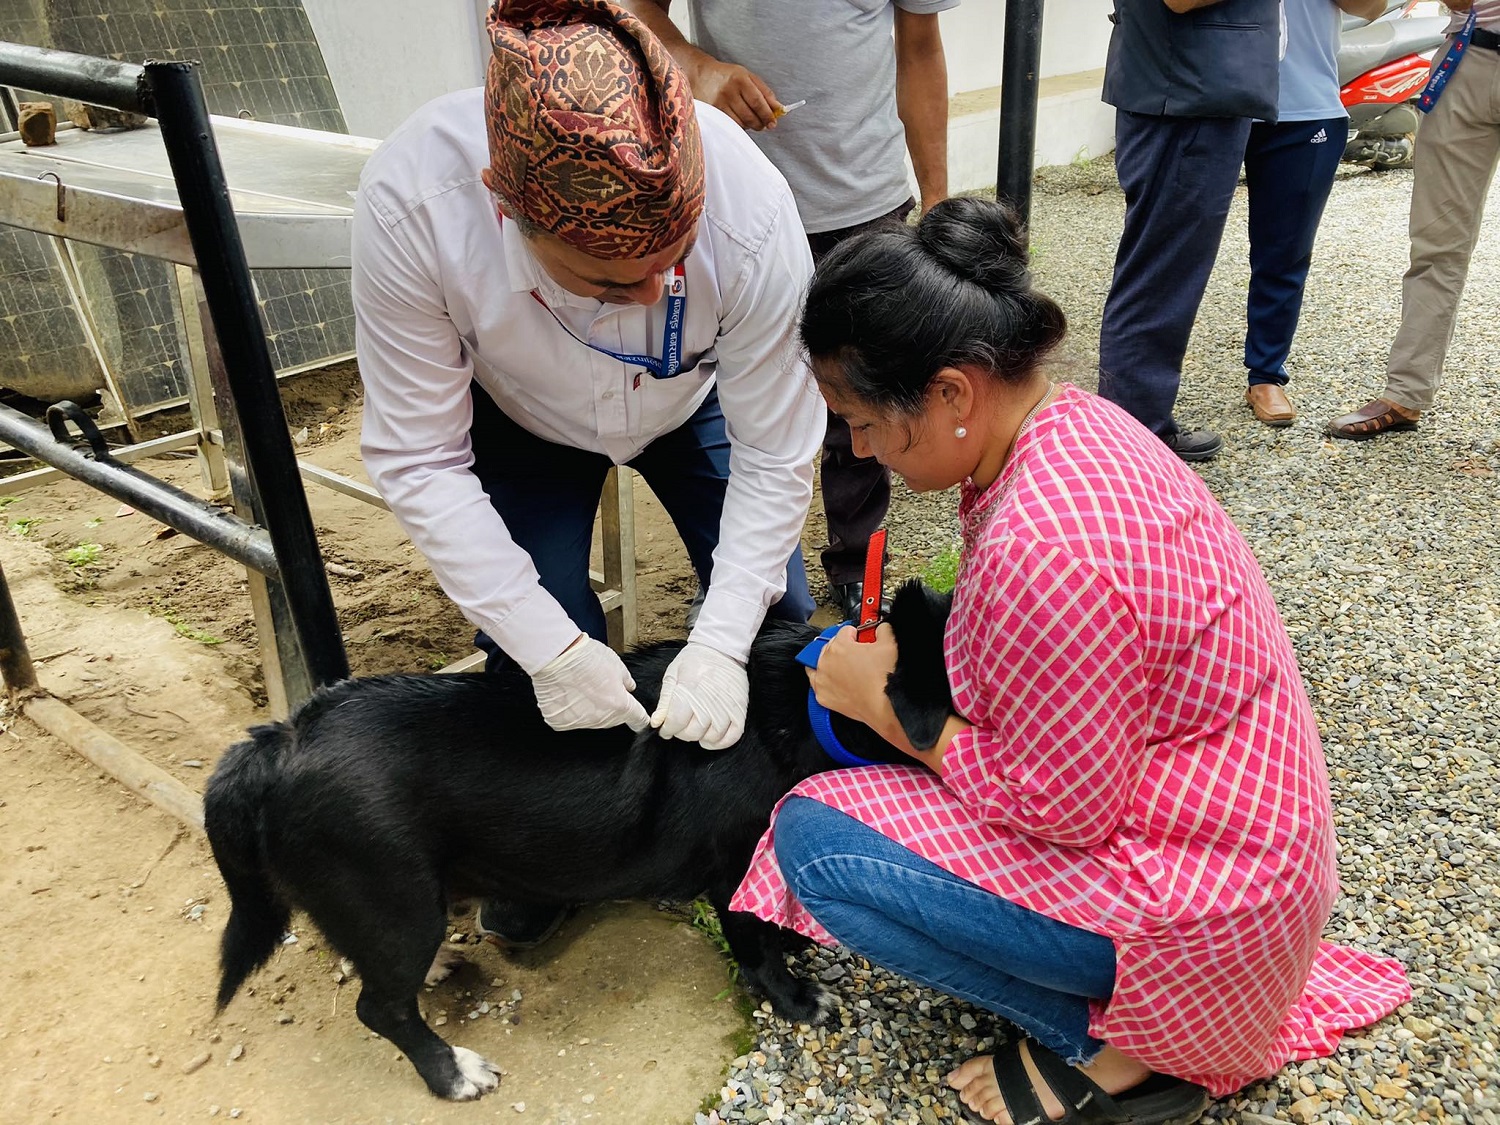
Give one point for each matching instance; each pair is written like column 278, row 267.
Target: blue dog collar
column 819, row 716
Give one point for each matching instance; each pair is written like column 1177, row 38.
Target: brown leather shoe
column 1376, row 417
column 1269, row 404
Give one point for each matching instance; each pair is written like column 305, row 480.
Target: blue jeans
column 547, row 495
column 892, row 907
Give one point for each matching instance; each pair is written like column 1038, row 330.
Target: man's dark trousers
column 1179, row 176
column 547, row 495
column 1289, row 169
column 856, row 490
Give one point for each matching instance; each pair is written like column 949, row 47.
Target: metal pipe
column 272, row 463
column 129, row 767
column 84, row 78
column 1018, row 100
column 224, row 531
column 15, row 658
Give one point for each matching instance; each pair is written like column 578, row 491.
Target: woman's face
column 923, row 447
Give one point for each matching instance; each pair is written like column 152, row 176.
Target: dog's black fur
column 382, row 799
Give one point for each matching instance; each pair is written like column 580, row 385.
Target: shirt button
column 608, row 394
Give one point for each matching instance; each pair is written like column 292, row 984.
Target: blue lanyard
column 670, row 363
column 1439, row 80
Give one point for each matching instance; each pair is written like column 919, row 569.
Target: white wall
column 387, row 57
column 385, row 61
column 1071, row 120
column 1075, row 36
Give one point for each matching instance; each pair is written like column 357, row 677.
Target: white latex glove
column 704, row 696
column 587, row 687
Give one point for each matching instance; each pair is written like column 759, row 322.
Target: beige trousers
column 1458, row 147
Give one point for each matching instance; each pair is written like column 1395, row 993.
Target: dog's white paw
column 443, row 964
column 828, row 1005
column 478, row 1075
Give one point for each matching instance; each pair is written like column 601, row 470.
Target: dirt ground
column 110, row 913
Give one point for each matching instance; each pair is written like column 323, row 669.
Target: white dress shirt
column 443, row 293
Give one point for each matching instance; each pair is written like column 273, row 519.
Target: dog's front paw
column 477, row 1075
column 804, row 1002
column 444, row 962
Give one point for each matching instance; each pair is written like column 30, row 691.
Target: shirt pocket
column 1147, row 883
column 702, row 367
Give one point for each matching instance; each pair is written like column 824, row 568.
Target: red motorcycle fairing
column 1390, row 83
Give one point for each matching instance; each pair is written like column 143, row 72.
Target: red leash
column 869, row 606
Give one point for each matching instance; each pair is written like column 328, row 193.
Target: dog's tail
column 232, row 814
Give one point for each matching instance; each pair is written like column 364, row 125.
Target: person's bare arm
column 1366, row 9
column 922, row 100
column 726, row 86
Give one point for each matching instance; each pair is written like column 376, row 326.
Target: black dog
column 382, row 799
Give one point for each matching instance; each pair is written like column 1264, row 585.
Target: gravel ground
column 1385, row 560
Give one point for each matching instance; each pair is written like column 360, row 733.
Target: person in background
column 872, row 74
column 1458, row 148
column 569, row 269
column 1123, row 840
column 1289, row 168
column 1187, row 78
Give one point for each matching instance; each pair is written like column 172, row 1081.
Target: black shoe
column 518, row 925
column 847, row 597
column 1195, row 445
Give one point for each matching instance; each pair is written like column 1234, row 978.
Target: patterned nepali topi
column 591, row 128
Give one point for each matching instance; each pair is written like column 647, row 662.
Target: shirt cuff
column 535, row 632
column 728, row 623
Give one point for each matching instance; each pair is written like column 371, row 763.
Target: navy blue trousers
column 1289, row 168
column 547, row 494
column 1179, row 176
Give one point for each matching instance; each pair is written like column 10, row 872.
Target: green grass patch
column 740, row 1041
column 941, row 573
column 184, row 629
column 24, row 525
column 85, row 554
column 705, row 921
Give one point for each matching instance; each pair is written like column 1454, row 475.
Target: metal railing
column 171, row 93
column 273, row 534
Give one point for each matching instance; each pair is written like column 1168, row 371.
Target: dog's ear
column 918, row 688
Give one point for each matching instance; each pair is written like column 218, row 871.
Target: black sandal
column 1160, row 1100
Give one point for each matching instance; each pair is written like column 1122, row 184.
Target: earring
column 960, row 432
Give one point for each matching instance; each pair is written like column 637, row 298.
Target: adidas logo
column 1319, row 137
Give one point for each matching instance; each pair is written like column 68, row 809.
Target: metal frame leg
column 15, row 657
column 200, row 382
column 617, row 520
column 288, row 679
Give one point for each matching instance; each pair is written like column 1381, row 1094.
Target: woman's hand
column 850, row 678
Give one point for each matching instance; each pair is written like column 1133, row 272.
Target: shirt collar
column 527, row 275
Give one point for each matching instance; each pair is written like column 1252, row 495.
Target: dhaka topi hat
column 591, row 128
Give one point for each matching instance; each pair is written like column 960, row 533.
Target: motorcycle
column 1383, row 67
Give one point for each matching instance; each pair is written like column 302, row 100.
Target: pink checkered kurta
column 1144, row 762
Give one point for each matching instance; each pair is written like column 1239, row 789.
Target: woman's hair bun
column 978, row 240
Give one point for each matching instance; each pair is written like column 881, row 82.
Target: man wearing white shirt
column 576, row 268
